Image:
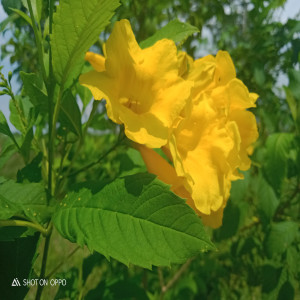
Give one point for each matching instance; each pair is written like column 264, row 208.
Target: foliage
column 64, row 164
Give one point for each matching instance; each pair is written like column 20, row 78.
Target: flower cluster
column 196, row 111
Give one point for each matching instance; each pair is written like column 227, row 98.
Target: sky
column 291, row 8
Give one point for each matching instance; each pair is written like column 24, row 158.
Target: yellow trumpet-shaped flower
column 212, row 139
column 142, row 87
column 215, row 135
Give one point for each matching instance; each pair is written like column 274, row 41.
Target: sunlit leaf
column 77, row 25
column 175, row 30
column 135, row 219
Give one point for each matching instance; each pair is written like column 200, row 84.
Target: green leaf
column 175, row 31
column 4, row 128
column 77, row 26
column 70, row 290
column 34, row 89
column 31, row 172
column 22, row 15
column 135, row 219
column 6, row 21
column 37, row 6
column 280, row 237
column 84, row 94
column 8, row 149
column 286, row 292
column 9, row 4
column 267, row 201
column 270, row 277
column 26, row 145
column 15, row 118
column 291, row 102
column 276, row 159
column 131, row 162
column 70, row 116
column 16, row 260
column 28, row 199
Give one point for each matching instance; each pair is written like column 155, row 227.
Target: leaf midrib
column 137, row 218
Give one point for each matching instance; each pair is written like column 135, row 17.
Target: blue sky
column 290, row 10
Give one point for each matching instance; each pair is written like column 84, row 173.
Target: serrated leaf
column 23, row 198
column 280, row 237
column 70, row 116
column 33, row 87
column 135, row 219
column 175, row 31
column 77, row 25
column 275, row 165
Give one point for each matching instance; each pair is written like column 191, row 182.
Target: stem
column 62, row 263
column 97, row 161
column 50, row 93
column 21, row 223
column 81, row 141
column 177, row 275
column 43, row 269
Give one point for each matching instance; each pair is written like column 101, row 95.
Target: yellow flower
column 215, row 135
column 142, row 87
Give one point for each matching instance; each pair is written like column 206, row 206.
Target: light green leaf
column 275, row 165
column 28, row 199
column 37, row 6
column 280, row 237
column 135, row 219
column 70, row 115
column 77, row 25
column 22, row 15
column 175, row 31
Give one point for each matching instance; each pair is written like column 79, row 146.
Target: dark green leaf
column 8, row 4
column 175, row 31
column 135, row 219
column 286, row 292
column 280, row 237
column 16, row 259
column 4, row 128
column 267, row 201
column 77, row 25
column 70, row 116
column 275, row 165
column 32, row 171
column 26, row 146
column 70, row 290
column 270, row 278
